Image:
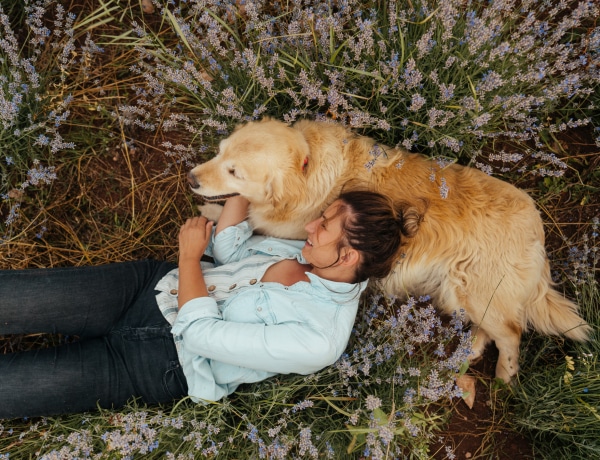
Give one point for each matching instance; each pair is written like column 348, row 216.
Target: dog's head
column 259, row 161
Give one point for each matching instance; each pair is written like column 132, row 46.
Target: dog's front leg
column 211, row 211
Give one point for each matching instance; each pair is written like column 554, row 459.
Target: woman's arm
column 194, row 237
column 280, row 348
column 234, row 211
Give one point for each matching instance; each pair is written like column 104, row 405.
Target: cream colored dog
column 479, row 248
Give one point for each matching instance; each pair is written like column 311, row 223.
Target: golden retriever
column 480, row 247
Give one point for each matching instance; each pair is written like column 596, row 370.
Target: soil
column 478, row 432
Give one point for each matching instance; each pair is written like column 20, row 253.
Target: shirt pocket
column 249, row 306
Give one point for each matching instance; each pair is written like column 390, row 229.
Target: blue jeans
column 125, row 347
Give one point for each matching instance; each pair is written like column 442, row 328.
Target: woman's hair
column 375, row 226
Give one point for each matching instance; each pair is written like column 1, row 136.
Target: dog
column 479, row 247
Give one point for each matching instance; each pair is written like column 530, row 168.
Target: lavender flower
column 372, row 402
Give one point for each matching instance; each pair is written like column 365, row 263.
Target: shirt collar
column 342, row 291
column 293, row 249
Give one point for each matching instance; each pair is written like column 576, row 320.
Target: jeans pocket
column 174, row 382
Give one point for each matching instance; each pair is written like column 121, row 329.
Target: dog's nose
column 192, row 180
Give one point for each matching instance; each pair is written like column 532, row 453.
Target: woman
column 266, row 306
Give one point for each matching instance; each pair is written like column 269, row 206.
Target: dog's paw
column 211, row 211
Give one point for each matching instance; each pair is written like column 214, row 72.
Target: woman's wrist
column 191, row 281
column 188, row 259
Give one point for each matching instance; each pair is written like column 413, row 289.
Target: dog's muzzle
column 193, row 181
column 195, row 185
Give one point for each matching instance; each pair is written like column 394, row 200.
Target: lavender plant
column 40, row 61
column 386, row 397
column 583, row 258
column 446, row 77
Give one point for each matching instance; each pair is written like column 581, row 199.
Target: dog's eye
column 232, row 172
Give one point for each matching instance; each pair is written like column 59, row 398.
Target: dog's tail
column 553, row 314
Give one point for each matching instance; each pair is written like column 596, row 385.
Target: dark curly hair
column 375, row 226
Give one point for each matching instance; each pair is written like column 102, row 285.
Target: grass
column 125, row 114
column 556, row 398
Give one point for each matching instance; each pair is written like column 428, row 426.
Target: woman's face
column 324, row 233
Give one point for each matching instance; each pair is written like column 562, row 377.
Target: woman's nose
column 310, row 226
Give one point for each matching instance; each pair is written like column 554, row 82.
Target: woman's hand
column 194, row 237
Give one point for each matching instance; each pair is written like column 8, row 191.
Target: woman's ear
column 350, row 256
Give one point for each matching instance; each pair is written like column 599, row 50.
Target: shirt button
column 211, row 288
column 259, row 309
column 253, row 281
column 232, row 286
column 173, row 292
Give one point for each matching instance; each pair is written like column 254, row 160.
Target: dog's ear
column 300, row 152
column 274, row 190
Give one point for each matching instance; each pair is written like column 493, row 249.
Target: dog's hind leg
column 489, row 325
column 508, row 339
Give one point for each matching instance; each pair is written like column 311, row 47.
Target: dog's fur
column 480, row 249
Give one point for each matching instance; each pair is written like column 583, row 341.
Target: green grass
column 556, row 400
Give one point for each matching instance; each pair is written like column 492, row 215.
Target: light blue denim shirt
column 248, row 330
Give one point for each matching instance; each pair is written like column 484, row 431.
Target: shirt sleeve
column 292, row 347
column 233, row 243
